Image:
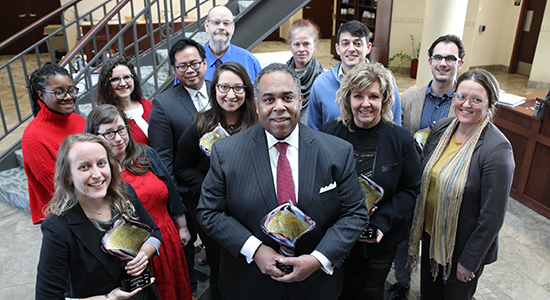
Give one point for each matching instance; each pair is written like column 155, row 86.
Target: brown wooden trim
column 36, row 24
column 532, row 204
column 519, row 31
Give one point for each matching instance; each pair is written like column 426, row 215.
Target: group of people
column 292, row 129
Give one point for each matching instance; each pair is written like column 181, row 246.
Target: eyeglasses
column 217, row 23
column 109, row 135
column 238, row 89
column 474, row 102
column 116, row 80
column 61, row 94
column 450, row 59
column 194, row 65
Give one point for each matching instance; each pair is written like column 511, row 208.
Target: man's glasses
column 217, row 23
column 238, row 89
column 61, row 94
column 450, row 59
column 194, row 65
column 474, row 102
column 116, row 80
column 109, row 135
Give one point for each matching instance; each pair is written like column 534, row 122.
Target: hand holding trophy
column 124, row 240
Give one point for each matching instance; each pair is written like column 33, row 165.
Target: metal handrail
column 36, row 24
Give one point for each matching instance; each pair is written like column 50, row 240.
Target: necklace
column 93, row 212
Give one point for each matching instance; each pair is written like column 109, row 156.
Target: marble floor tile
column 17, row 291
column 524, row 260
column 519, row 287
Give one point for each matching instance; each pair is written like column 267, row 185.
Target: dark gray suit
column 238, row 192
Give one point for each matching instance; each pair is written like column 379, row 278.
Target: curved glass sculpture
column 420, row 137
column 286, row 224
column 208, row 139
column 124, row 238
column 373, row 192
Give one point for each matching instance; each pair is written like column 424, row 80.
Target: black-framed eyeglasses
column 61, row 94
column 194, row 65
column 238, row 89
column 474, row 102
column 217, row 23
column 450, row 59
column 116, row 80
column 109, row 135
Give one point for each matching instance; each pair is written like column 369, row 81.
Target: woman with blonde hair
column 88, row 199
column 385, row 153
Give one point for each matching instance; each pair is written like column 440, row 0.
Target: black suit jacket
column 239, row 191
column 397, row 170
column 485, row 195
column 71, row 256
column 171, row 114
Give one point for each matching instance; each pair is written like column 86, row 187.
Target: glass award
column 208, row 139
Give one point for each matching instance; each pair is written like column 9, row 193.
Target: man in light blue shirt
column 220, row 28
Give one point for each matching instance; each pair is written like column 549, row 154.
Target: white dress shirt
column 253, row 243
column 204, row 103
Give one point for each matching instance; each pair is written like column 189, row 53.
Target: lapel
column 418, row 105
column 260, row 160
column 307, row 159
column 89, row 237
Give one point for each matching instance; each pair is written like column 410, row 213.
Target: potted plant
column 414, row 58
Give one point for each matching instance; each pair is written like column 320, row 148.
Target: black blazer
column 72, row 263
column 171, row 114
column 397, row 170
column 191, row 166
column 239, row 191
column 485, row 195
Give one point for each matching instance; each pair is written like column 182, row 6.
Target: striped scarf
column 449, row 190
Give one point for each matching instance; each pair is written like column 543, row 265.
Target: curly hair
column 105, row 94
column 64, row 198
column 358, row 79
column 38, row 80
column 107, row 113
column 209, row 119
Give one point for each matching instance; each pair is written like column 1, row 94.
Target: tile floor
column 521, row 272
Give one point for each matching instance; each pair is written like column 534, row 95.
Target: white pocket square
column 328, row 187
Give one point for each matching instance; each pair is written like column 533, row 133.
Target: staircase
column 108, row 36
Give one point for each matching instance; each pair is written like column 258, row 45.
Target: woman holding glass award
column 385, row 153
column 88, row 199
column 232, row 110
column 156, row 188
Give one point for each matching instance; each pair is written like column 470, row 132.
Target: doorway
column 320, row 12
column 527, row 35
column 16, row 15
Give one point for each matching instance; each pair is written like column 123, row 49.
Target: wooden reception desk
column 530, row 139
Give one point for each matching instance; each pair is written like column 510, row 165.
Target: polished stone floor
column 521, row 272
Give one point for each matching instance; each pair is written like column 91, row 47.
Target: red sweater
column 40, row 143
column 135, row 131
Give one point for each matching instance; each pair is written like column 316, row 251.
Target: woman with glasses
column 120, row 86
column 156, row 189
column 89, row 198
column 232, row 108
column 53, row 99
column 385, row 153
column 302, row 39
column 468, row 167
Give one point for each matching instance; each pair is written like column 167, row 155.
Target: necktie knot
column 282, row 146
column 218, row 62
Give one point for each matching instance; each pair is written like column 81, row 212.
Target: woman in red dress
column 120, row 86
column 156, row 188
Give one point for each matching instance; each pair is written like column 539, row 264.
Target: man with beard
column 421, row 108
column 220, row 28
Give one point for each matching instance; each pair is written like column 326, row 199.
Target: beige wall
column 283, row 30
column 492, row 47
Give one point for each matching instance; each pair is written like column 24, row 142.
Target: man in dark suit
column 172, row 112
column 239, row 190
